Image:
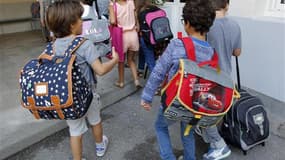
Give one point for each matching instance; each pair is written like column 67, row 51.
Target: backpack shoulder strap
column 75, row 44
column 189, row 47
column 190, row 51
column 49, row 51
column 96, row 8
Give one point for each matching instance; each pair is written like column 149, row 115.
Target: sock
column 100, row 145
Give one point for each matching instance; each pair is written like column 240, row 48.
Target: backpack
column 199, row 93
column 96, row 29
column 155, row 25
column 53, row 87
column 246, row 124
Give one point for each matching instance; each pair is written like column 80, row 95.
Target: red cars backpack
column 199, row 93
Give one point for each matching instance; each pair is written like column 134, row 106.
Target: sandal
column 137, row 84
column 120, row 85
column 140, row 74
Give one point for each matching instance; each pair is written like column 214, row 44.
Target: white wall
column 262, row 63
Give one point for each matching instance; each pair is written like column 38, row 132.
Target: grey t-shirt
column 86, row 55
column 225, row 37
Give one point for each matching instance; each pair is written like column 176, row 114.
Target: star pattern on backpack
column 60, row 76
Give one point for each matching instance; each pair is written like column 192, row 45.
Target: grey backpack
column 96, row 29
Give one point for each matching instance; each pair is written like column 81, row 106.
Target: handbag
column 117, row 36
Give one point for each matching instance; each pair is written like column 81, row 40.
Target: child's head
column 142, row 3
column 63, row 17
column 220, row 4
column 199, row 14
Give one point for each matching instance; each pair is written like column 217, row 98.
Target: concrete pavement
column 130, row 128
column 18, row 128
column 132, row 137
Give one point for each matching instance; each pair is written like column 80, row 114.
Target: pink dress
column 126, row 20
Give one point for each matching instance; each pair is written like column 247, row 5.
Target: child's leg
column 212, row 136
column 163, row 137
column 95, row 120
column 121, row 70
column 148, row 52
column 76, row 129
column 98, row 132
column 76, row 147
column 188, row 143
column 132, row 64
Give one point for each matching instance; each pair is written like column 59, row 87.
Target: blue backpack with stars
column 53, row 87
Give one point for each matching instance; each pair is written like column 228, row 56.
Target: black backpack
column 246, row 124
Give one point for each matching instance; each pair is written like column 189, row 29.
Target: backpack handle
column 190, row 52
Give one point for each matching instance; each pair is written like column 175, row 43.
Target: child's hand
column 115, row 55
column 145, row 105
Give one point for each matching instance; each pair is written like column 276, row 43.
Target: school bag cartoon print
column 53, row 87
column 199, row 93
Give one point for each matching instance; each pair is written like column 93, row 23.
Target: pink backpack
column 159, row 26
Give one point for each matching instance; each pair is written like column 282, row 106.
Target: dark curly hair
column 61, row 15
column 200, row 14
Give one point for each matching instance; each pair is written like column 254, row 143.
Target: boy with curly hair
column 198, row 17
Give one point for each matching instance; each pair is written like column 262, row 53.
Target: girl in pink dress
column 126, row 18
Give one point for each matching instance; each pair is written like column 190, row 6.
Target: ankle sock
column 100, row 145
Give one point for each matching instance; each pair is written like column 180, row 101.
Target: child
column 198, row 16
column 126, row 19
column 146, row 49
column 225, row 37
column 64, row 20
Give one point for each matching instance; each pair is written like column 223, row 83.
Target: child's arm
column 157, row 76
column 103, row 68
column 137, row 26
column 112, row 13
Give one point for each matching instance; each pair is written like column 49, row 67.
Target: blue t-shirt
column 168, row 63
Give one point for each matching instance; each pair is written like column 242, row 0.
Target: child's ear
column 187, row 24
column 72, row 26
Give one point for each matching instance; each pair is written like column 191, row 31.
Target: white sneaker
column 180, row 157
column 217, row 154
column 100, row 151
